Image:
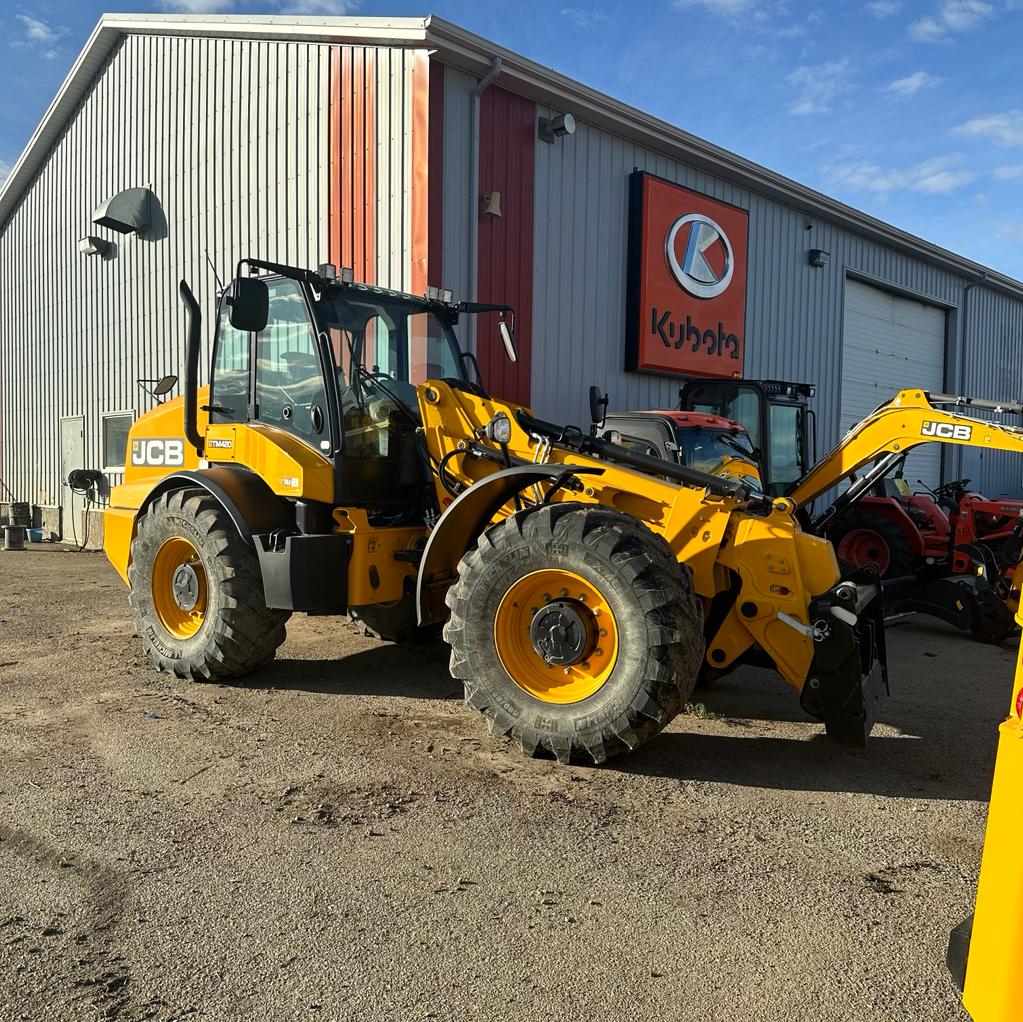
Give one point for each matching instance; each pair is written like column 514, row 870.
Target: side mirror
column 509, row 341
column 598, row 406
column 164, row 386
column 249, row 302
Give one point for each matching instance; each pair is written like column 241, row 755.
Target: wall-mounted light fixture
column 91, row 245
column 127, row 211
column 492, row 203
column 819, row 258
column 550, row 128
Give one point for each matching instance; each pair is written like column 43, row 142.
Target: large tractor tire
column 575, row 631
column 392, row 622
column 868, row 538
column 197, row 592
column 993, row 622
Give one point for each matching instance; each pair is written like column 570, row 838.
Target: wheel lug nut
column 533, row 610
column 602, row 632
column 586, row 665
column 546, row 597
column 568, row 670
column 598, row 651
column 582, row 597
column 564, row 592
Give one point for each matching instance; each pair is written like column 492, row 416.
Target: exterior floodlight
column 328, row 271
column 130, row 210
column 447, row 295
column 492, row 203
column 91, row 245
column 819, row 258
column 551, row 128
column 347, row 275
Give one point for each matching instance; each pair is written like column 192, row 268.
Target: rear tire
column 871, row 538
column 610, row 700
column 393, row 622
column 229, row 631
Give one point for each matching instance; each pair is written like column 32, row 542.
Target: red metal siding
column 505, row 273
column 435, row 271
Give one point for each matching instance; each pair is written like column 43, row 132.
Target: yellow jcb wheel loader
column 347, row 458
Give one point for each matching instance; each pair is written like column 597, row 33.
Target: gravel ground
column 339, row 838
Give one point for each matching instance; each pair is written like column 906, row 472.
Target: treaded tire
column 659, row 622
column 239, row 632
column 993, row 622
column 393, row 622
column 900, row 557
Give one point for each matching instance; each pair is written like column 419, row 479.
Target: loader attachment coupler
column 848, row 678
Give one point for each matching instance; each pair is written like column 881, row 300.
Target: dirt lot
column 340, row 839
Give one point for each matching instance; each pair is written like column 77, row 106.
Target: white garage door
column 891, row 343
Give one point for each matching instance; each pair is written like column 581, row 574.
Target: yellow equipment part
column 780, row 567
column 992, row 989
column 515, row 648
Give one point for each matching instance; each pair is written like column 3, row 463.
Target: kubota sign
column 686, row 301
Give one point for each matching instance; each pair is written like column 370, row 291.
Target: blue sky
column 909, row 109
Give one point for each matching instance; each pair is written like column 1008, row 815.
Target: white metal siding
column 890, row 343
column 232, row 137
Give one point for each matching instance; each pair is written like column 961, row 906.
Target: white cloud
column 1009, row 230
column 936, row 176
column 819, row 85
column 950, row 16
column 724, row 8
column 1008, row 173
column 903, row 88
column 325, row 7
column 883, row 8
column 5, row 171
column 1003, row 129
column 581, row 17
column 196, row 6
column 39, row 36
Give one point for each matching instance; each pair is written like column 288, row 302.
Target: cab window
column 786, row 428
column 290, row 392
column 229, row 386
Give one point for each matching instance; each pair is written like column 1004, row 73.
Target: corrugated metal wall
column 232, row 136
column 794, row 312
column 457, row 203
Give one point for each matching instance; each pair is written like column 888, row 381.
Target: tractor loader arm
column 911, row 418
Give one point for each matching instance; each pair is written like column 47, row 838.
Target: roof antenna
column 216, row 276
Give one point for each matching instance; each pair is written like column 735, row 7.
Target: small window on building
column 115, row 439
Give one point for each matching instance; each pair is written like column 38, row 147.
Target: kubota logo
column 158, row 452
column 700, row 255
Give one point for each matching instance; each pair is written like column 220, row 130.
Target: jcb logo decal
column 158, row 452
column 946, row 431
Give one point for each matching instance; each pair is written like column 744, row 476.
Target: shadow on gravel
column 415, row 672
column 903, row 767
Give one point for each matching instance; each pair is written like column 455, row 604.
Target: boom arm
column 906, row 421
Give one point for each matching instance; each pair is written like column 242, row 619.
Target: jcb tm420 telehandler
column 344, row 459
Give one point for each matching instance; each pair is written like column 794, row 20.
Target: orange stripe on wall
column 420, row 232
column 353, row 160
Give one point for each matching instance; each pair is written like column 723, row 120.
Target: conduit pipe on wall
column 474, row 192
column 963, row 335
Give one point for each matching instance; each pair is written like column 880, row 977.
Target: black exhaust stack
column 190, row 380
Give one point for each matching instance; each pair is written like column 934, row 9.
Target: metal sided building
column 420, row 154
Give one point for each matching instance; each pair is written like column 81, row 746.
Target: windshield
column 705, row 449
column 398, row 347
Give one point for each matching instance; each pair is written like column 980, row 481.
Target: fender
column 465, row 519
column 251, row 504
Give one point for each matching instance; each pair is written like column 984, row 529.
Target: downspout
column 961, row 452
column 474, row 192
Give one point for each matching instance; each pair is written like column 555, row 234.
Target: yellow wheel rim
column 179, row 588
column 556, row 636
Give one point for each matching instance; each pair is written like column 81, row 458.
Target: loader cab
column 336, row 366
column 777, row 417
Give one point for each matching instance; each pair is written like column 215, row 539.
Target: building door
column 891, row 343
column 72, row 456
